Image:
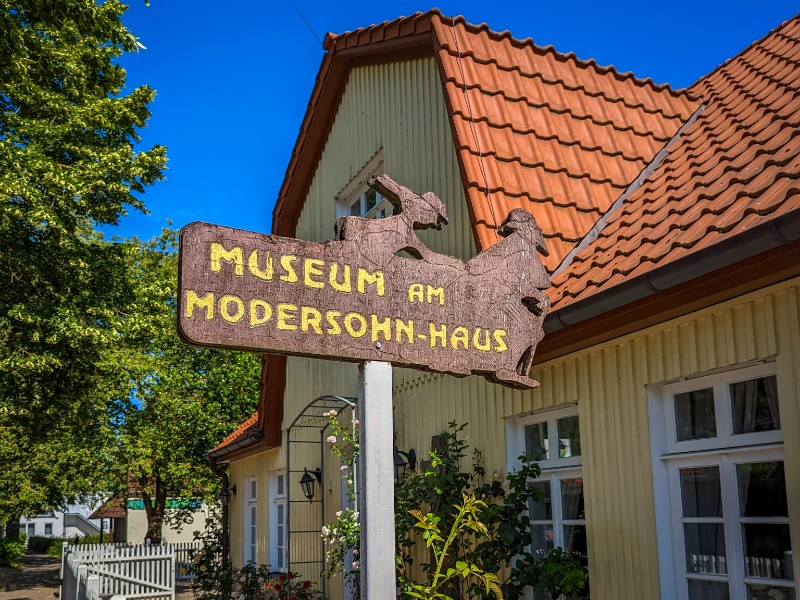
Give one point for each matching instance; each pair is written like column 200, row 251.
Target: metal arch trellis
column 309, row 428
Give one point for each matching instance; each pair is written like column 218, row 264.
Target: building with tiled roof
column 669, row 372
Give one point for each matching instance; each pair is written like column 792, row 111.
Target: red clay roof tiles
column 547, row 132
column 735, row 167
column 247, row 427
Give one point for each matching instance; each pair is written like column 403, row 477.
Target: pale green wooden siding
column 609, row 384
column 258, row 466
column 399, row 108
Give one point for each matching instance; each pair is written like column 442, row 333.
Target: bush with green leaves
column 439, row 490
column 10, row 551
column 39, row 543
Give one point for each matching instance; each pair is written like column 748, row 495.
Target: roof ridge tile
column 565, row 56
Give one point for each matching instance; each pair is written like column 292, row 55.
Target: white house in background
column 73, row 521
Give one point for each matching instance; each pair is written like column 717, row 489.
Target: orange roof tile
column 110, row 509
column 737, row 166
column 558, row 136
column 533, row 128
column 248, row 427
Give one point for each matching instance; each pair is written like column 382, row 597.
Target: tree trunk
column 12, row 528
column 155, row 505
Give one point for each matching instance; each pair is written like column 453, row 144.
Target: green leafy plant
column 467, row 518
column 10, row 552
column 558, row 574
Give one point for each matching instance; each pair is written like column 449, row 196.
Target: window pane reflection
column 575, row 542
column 767, row 551
column 708, row 590
column 572, row 499
column 770, row 592
column 694, row 415
column 542, row 510
column 536, row 441
column 541, row 540
column 705, row 548
column 569, row 437
column 700, row 492
column 754, row 405
column 762, row 489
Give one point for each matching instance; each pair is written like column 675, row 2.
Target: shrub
column 10, row 552
column 55, row 548
column 39, row 543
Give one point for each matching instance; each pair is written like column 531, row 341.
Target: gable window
column 552, row 438
column 357, row 199
column 250, row 536
column 729, row 528
column 278, row 535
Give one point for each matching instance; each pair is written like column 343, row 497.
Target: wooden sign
column 373, row 293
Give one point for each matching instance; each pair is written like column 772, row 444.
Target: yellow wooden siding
column 608, row 382
column 258, row 466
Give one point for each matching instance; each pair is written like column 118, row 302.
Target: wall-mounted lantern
column 400, row 463
column 307, row 482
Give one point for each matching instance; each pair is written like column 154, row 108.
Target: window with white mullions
column 357, row 199
column 250, row 536
column 727, row 487
column 279, row 538
column 558, row 519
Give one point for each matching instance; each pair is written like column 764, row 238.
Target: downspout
column 226, row 500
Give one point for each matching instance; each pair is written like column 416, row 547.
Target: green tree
column 68, row 163
column 175, row 401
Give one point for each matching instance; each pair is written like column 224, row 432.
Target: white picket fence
column 92, row 571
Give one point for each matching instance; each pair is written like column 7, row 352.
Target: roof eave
column 774, row 237
column 323, row 106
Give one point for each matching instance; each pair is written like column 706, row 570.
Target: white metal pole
column 376, row 481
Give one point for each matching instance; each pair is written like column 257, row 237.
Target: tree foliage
column 175, row 401
column 68, row 163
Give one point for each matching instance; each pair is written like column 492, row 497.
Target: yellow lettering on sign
column 406, row 328
column 435, row 293
column 218, row 253
column 486, row 344
column 225, row 308
column 286, row 313
column 265, row 309
column 310, row 318
column 384, row 327
column 366, row 278
column 349, row 318
column 438, row 334
column 415, row 293
column 500, row 343
column 333, row 325
column 267, row 272
column 345, row 285
column 206, row 302
column 286, row 264
column 311, row 268
column 460, row 335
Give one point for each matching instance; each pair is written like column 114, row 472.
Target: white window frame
column 48, row 529
column 553, row 470
column 250, row 534
column 725, row 438
column 278, row 497
column 356, row 191
column 724, row 451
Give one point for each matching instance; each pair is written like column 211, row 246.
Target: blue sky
column 233, row 79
